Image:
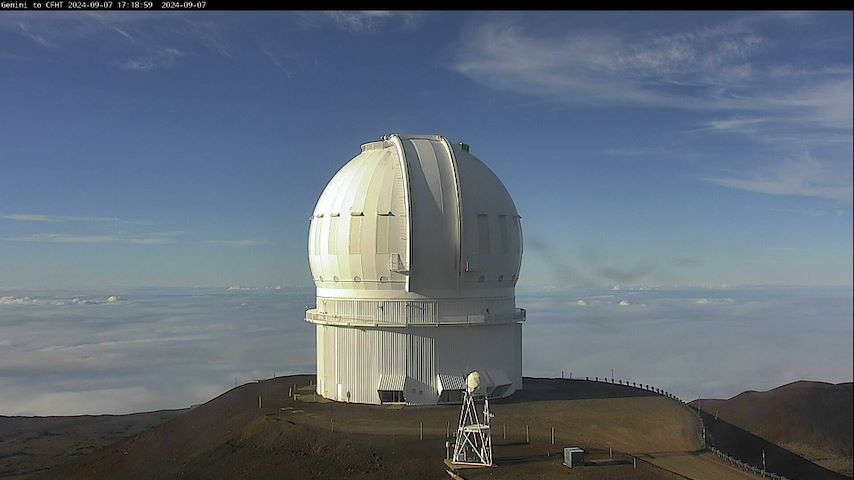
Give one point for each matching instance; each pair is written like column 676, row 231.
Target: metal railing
column 323, row 318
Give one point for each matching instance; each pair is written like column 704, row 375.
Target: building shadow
column 544, row 389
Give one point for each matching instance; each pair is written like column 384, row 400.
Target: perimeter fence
column 704, row 441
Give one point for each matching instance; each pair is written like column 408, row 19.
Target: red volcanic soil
column 812, row 419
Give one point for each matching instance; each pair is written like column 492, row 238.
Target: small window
column 391, row 396
column 501, row 278
column 480, row 279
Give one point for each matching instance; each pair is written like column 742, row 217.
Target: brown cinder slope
column 29, row 445
column 812, row 419
column 230, row 437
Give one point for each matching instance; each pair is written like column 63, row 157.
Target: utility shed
column 573, row 456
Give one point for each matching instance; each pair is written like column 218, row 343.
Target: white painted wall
column 360, row 357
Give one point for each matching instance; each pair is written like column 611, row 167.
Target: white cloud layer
column 173, row 348
column 66, row 353
column 11, row 300
column 54, row 301
column 737, row 339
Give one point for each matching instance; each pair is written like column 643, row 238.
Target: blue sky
column 182, row 149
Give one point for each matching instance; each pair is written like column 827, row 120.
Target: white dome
column 415, row 216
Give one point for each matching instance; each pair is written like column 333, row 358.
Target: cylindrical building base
column 416, row 365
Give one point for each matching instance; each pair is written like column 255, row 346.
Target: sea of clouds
column 64, row 353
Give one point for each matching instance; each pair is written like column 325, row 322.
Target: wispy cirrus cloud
column 157, row 238
column 370, row 20
column 149, row 239
column 94, row 236
column 35, row 217
column 123, row 33
column 722, row 67
column 738, row 124
column 134, row 43
column 157, row 60
column 804, row 176
column 241, row 243
column 25, row 30
column 726, row 72
column 285, row 59
column 608, row 66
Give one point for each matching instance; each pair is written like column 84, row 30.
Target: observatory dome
column 415, row 216
column 412, row 243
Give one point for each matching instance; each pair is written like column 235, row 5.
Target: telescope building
column 415, row 248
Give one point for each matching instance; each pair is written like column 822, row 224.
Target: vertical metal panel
column 313, row 259
column 332, row 246
column 503, row 242
column 328, row 264
column 482, row 234
column 515, row 235
column 401, row 223
column 432, row 187
column 382, row 242
column 355, row 247
column 362, row 356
